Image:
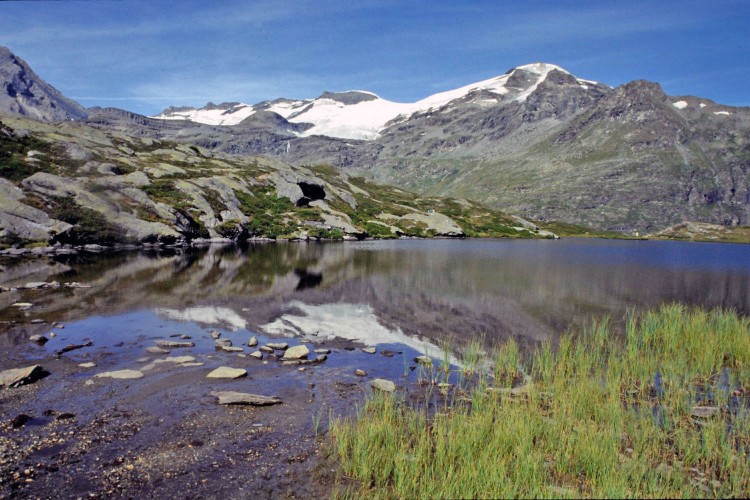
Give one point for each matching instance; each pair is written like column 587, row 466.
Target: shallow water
column 419, row 293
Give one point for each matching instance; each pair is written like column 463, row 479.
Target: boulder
column 382, row 384
column 278, row 346
column 252, row 342
column 20, row 376
column 296, row 352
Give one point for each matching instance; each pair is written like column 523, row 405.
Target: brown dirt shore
column 164, row 435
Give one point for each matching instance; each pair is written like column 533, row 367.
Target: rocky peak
column 23, row 92
column 349, row 97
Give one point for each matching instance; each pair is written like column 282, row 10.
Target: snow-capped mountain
column 360, row 114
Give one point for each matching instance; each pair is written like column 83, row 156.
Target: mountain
column 536, row 141
column 72, row 183
column 22, row 92
column 364, row 115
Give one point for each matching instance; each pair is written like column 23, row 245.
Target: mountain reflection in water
column 429, row 289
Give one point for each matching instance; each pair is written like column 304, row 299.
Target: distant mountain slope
column 22, row 92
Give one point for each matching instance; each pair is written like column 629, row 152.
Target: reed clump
column 661, row 411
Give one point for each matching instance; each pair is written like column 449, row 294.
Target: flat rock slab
column 156, row 350
column 705, row 411
column 176, row 359
column 87, row 365
column 257, row 354
column 174, row 343
column 296, row 352
column 121, row 374
column 21, row 376
column 322, row 351
column 229, row 348
column 278, row 346
column 369, row 350
column 382, row 384
column 242, row 398
column 227, row 372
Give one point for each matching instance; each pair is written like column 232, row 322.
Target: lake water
column 420, row 293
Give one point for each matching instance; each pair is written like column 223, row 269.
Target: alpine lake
column 77, row 432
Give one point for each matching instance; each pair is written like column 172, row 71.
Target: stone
column 265, row 348
column 39, row 339
column 20, row 376
column 121, row 374
column 704, row 411
column 423, row 360
column 52, row 335
column 230, row 348
column 301, row 369
column 215, row 334
column 174, row 344
column 360, row 373
column 176, row 359
column 22, row 305
column 252, row 342
column 73, row 347
column 320, row 358
column 369, row 350
column 243, row 398
column 227, row 372
column 322, row 351
column 197, row 363
column 87, row 365
column 278, row 346
column 257, row 354
column 37, row 321
column 223, row 343
column 382, row 384
column 296, row 352
column 19, row 420
column 156, row 350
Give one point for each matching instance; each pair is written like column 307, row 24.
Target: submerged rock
column 227, row 372
column 156, row 350
column 121, row 374
column 174, row 343
column 242, row 398
column 322, row 351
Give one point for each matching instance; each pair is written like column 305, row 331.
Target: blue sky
column 146, row 55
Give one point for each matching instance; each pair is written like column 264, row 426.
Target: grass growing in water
column 602, row 416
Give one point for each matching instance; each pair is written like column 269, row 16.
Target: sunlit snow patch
column 680, row 104
column 726, row 113
column 209, row 315
column 355, row 322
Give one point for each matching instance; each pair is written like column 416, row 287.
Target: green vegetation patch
column 659, row 412
column 14, row 163
column 89, row 226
